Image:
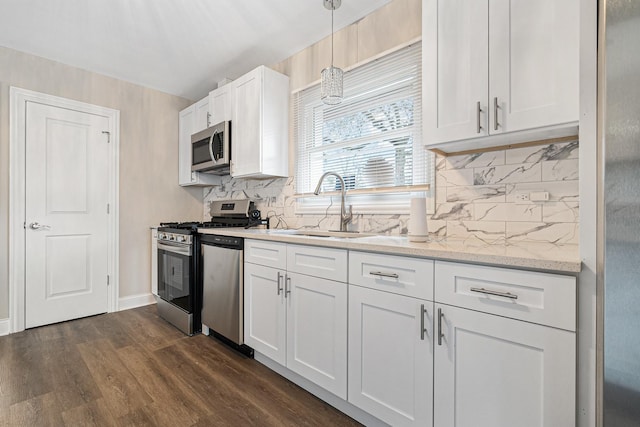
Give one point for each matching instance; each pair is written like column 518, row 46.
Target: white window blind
column 372, row 139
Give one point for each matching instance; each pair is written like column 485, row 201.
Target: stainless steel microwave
column 211, row 149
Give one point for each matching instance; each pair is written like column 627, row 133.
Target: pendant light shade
column 331, row 77
column 331, row 85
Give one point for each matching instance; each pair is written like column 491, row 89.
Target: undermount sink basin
column 313, row 233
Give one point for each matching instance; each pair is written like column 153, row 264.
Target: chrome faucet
column 345, row 218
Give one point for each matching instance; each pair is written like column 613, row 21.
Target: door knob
column 38, row 226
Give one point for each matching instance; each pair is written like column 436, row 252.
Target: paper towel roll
column 418, row 220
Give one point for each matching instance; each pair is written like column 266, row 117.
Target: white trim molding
column 18, row 98
column 133, row 301
column 4, row 327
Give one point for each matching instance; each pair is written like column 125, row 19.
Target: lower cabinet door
column 265, row 313
column 317, row 331
column 491, row 371
column 391, row 357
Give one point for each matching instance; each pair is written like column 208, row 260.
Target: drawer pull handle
column 423, row 330
column 383, row 274
column 496, row 293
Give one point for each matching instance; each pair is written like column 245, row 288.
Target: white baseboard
column 330, row 398
column 133, row 301
column 4, row 327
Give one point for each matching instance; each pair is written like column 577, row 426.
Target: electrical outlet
column 522, row 198
column 539, row 196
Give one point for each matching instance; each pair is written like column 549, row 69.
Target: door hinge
column 108, row 280
column 108, row 136
column 108, row 208
column 24, row 225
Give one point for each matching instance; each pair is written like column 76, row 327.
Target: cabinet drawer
column 270, row 254
column 327, row 263
column 547, row 299
column 405, row 276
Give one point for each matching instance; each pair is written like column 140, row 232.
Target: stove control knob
column 162, row 236
column 172, row 237
column 181, row 239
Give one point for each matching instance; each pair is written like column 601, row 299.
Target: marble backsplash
column 475, row 198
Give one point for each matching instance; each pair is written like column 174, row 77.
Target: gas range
column 179, row 270
column 224, row 213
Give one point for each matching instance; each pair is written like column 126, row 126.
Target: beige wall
column 149, row 191
column 397, row 23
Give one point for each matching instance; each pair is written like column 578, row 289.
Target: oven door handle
column 213, row 157
column 175, row 248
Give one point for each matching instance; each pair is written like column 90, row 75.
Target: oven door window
column 174, row 279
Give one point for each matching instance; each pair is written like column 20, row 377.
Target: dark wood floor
column 132, row 368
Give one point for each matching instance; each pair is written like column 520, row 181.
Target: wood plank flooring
column 131, row 368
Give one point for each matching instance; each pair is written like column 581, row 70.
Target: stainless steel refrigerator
column 619, row 116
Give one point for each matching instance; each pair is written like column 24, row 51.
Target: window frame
column 384, row 200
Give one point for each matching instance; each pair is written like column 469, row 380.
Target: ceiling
column 182, row 47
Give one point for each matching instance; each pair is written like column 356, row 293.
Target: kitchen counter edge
column 545, row 257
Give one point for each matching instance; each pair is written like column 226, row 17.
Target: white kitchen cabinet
column 202, row 115
column 317, row 330
column 297, row 320
column 543, row 298
column 412, row 277
column 260, row 124
column 391, row 357
column 490, row 371
column 265, row 313
column 191, row 120
column 221, row 103
column 154, row 261
column 504, row 347
column 499, row 66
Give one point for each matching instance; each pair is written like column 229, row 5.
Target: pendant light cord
column 333, row 8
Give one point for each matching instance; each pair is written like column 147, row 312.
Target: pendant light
column 331, row 77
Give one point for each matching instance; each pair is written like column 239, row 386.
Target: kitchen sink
column 313, row 233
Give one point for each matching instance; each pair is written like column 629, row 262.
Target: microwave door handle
column 213, row 158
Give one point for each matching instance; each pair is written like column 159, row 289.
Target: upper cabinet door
column 498, row 72
column 220, row 103
column 260, row 125
column 247, row 125
column 192, row 119
column 187, row 119
column 533, row 63
column 455, row 70
column 202, row 117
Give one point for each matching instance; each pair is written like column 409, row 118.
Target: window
column 372, row 139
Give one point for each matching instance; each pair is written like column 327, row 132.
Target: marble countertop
column 528, row 255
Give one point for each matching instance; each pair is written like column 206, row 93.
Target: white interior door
column 66, row 220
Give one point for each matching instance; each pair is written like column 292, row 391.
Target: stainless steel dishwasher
column 222, row 288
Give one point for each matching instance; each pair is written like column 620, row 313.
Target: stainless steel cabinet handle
column 208, row 119
column 479, row 110
column 496, row 293
column 287, row 286
column 423, row 330
column 38, row 226
column 383, row 274
column 440, row 334
column 495, row 113
column 279, row 283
